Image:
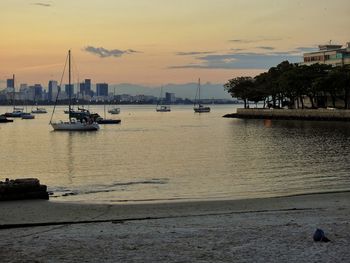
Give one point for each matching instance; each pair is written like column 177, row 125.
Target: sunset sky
column 152, row 42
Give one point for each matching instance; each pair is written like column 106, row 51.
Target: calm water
column 179, row 155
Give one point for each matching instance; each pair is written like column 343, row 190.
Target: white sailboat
column 27, row 115
column 17, row 112
column 84, row 123
column 160, row 107
column 39, row 110
column 115, row 109
column 198, row 107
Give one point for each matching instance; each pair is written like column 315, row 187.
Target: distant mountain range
column 188, row 90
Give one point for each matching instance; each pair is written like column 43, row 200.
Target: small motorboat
column 4, row 119
column 39, row 110
column 108, row 121
column 163, row 108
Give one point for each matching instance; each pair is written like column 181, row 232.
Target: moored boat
column 163, row 108
column 108, row 121
column 27, row 116
column 160, row 106
column 83, row 121
column 198, row 107
column 39, row 110
column 4, row 119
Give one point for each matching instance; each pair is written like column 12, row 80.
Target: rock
column 320, row 236
column 26, row 188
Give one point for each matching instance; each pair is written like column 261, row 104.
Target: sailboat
column 82, row 122
column 39, row 110
column 198, row 107
column 160, row 107
column 27, row 115
column 16, row 112
column 104, row 120
column 115, row 109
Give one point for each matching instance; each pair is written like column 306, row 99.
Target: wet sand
column 254, row 230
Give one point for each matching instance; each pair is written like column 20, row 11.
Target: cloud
column 306, row 49
column 237, row 49
column 249, row 60
column 42, row 4
column 193, row 53
column 266, row 48
column 248, row 41
column 104, row 53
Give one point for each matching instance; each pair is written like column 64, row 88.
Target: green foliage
column 289, row 84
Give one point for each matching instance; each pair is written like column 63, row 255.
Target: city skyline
column 158, row 42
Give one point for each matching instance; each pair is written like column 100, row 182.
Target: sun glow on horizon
column 153, row 42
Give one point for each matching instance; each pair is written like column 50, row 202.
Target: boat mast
column 14, row 92
column 161, row 96
column 199, row 91
column 69, row 85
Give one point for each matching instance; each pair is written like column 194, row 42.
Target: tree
column 240, row 87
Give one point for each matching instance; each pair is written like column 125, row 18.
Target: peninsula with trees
column 317, row 89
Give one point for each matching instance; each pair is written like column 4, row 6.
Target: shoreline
column 277, row 229
column 25, row 212
column 292, row 114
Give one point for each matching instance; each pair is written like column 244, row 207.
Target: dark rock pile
column 20, row 189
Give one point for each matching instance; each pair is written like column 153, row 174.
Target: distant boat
column 198, row 107
column 83, row 122
column 17, row 112
column 39, row 110
column 160, row 106
column 4, row 119
column 163, row 108
column 27, row 116
column 101, row 120
column 114, row 110
column 108, row 121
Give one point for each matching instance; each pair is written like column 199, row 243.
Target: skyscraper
column 170, row 97
column 53, row 90
column 102, row 89
column 87, row 87
column 10, row 83
column 69, row 89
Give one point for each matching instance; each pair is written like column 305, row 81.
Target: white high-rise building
column 53, row 90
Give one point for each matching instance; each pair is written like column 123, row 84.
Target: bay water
column 178, row 155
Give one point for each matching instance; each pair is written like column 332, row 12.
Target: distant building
column 334, row 55
column 53, row 90
column 69, row 90
column 170, row 97
column 38, row 92
column 85, row 90
column 102, row 90
column 23, row 87
column 10, row 83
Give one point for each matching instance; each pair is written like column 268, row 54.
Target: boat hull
column 201, row 110
column 75, row 126
column 163, row 109
column 114, row 111
column 28, row 117
column 13, row 114
column 39, row 111
column 108, row 121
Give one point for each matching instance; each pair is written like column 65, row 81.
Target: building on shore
column 335, row 55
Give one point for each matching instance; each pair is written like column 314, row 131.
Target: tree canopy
column 288, row 85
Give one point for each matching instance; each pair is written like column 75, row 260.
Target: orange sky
column 154, row 42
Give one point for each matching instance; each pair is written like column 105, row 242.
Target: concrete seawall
column 292, row 114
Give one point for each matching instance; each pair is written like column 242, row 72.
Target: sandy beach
column 254, row 230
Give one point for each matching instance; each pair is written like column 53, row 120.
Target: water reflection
column 204, row 156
